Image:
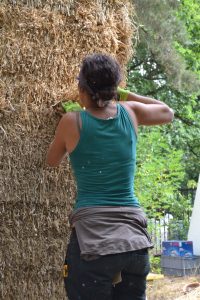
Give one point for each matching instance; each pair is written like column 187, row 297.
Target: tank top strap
column 125, row 115
column 84, row 121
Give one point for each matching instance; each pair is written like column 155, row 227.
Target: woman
column 107, row 255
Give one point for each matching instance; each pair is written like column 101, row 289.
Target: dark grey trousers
column 92, row 280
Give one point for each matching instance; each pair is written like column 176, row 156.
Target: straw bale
column 41, row 46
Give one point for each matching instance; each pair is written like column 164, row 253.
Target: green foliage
column 160, row 29
column 166, row 67
column 178, row 229
column 155, row 263
column 159, row 174
column 70, row 106
column 189, row 14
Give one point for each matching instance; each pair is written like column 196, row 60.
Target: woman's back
column 109, row 235
column 104, row 161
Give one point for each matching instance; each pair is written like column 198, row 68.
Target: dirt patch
column 174, row 288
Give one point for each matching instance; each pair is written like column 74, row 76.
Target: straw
column 42, row 44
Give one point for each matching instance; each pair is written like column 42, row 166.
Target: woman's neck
column 107, row 112
column 94, row 106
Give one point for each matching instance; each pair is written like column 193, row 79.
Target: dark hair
column 100, row 75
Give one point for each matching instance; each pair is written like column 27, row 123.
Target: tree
column 189, row 14
column 159, row 175
column 166, row 66
column 159, row 29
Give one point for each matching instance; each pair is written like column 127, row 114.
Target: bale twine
column 41, row 46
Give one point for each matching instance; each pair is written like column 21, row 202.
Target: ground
column 172, row 288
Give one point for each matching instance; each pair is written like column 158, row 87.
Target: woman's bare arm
column 149, row 111
column 65, row 140
column 57, row 149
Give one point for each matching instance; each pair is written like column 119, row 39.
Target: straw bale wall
column 41, row 46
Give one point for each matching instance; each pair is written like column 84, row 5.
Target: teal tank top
column 103, row 162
